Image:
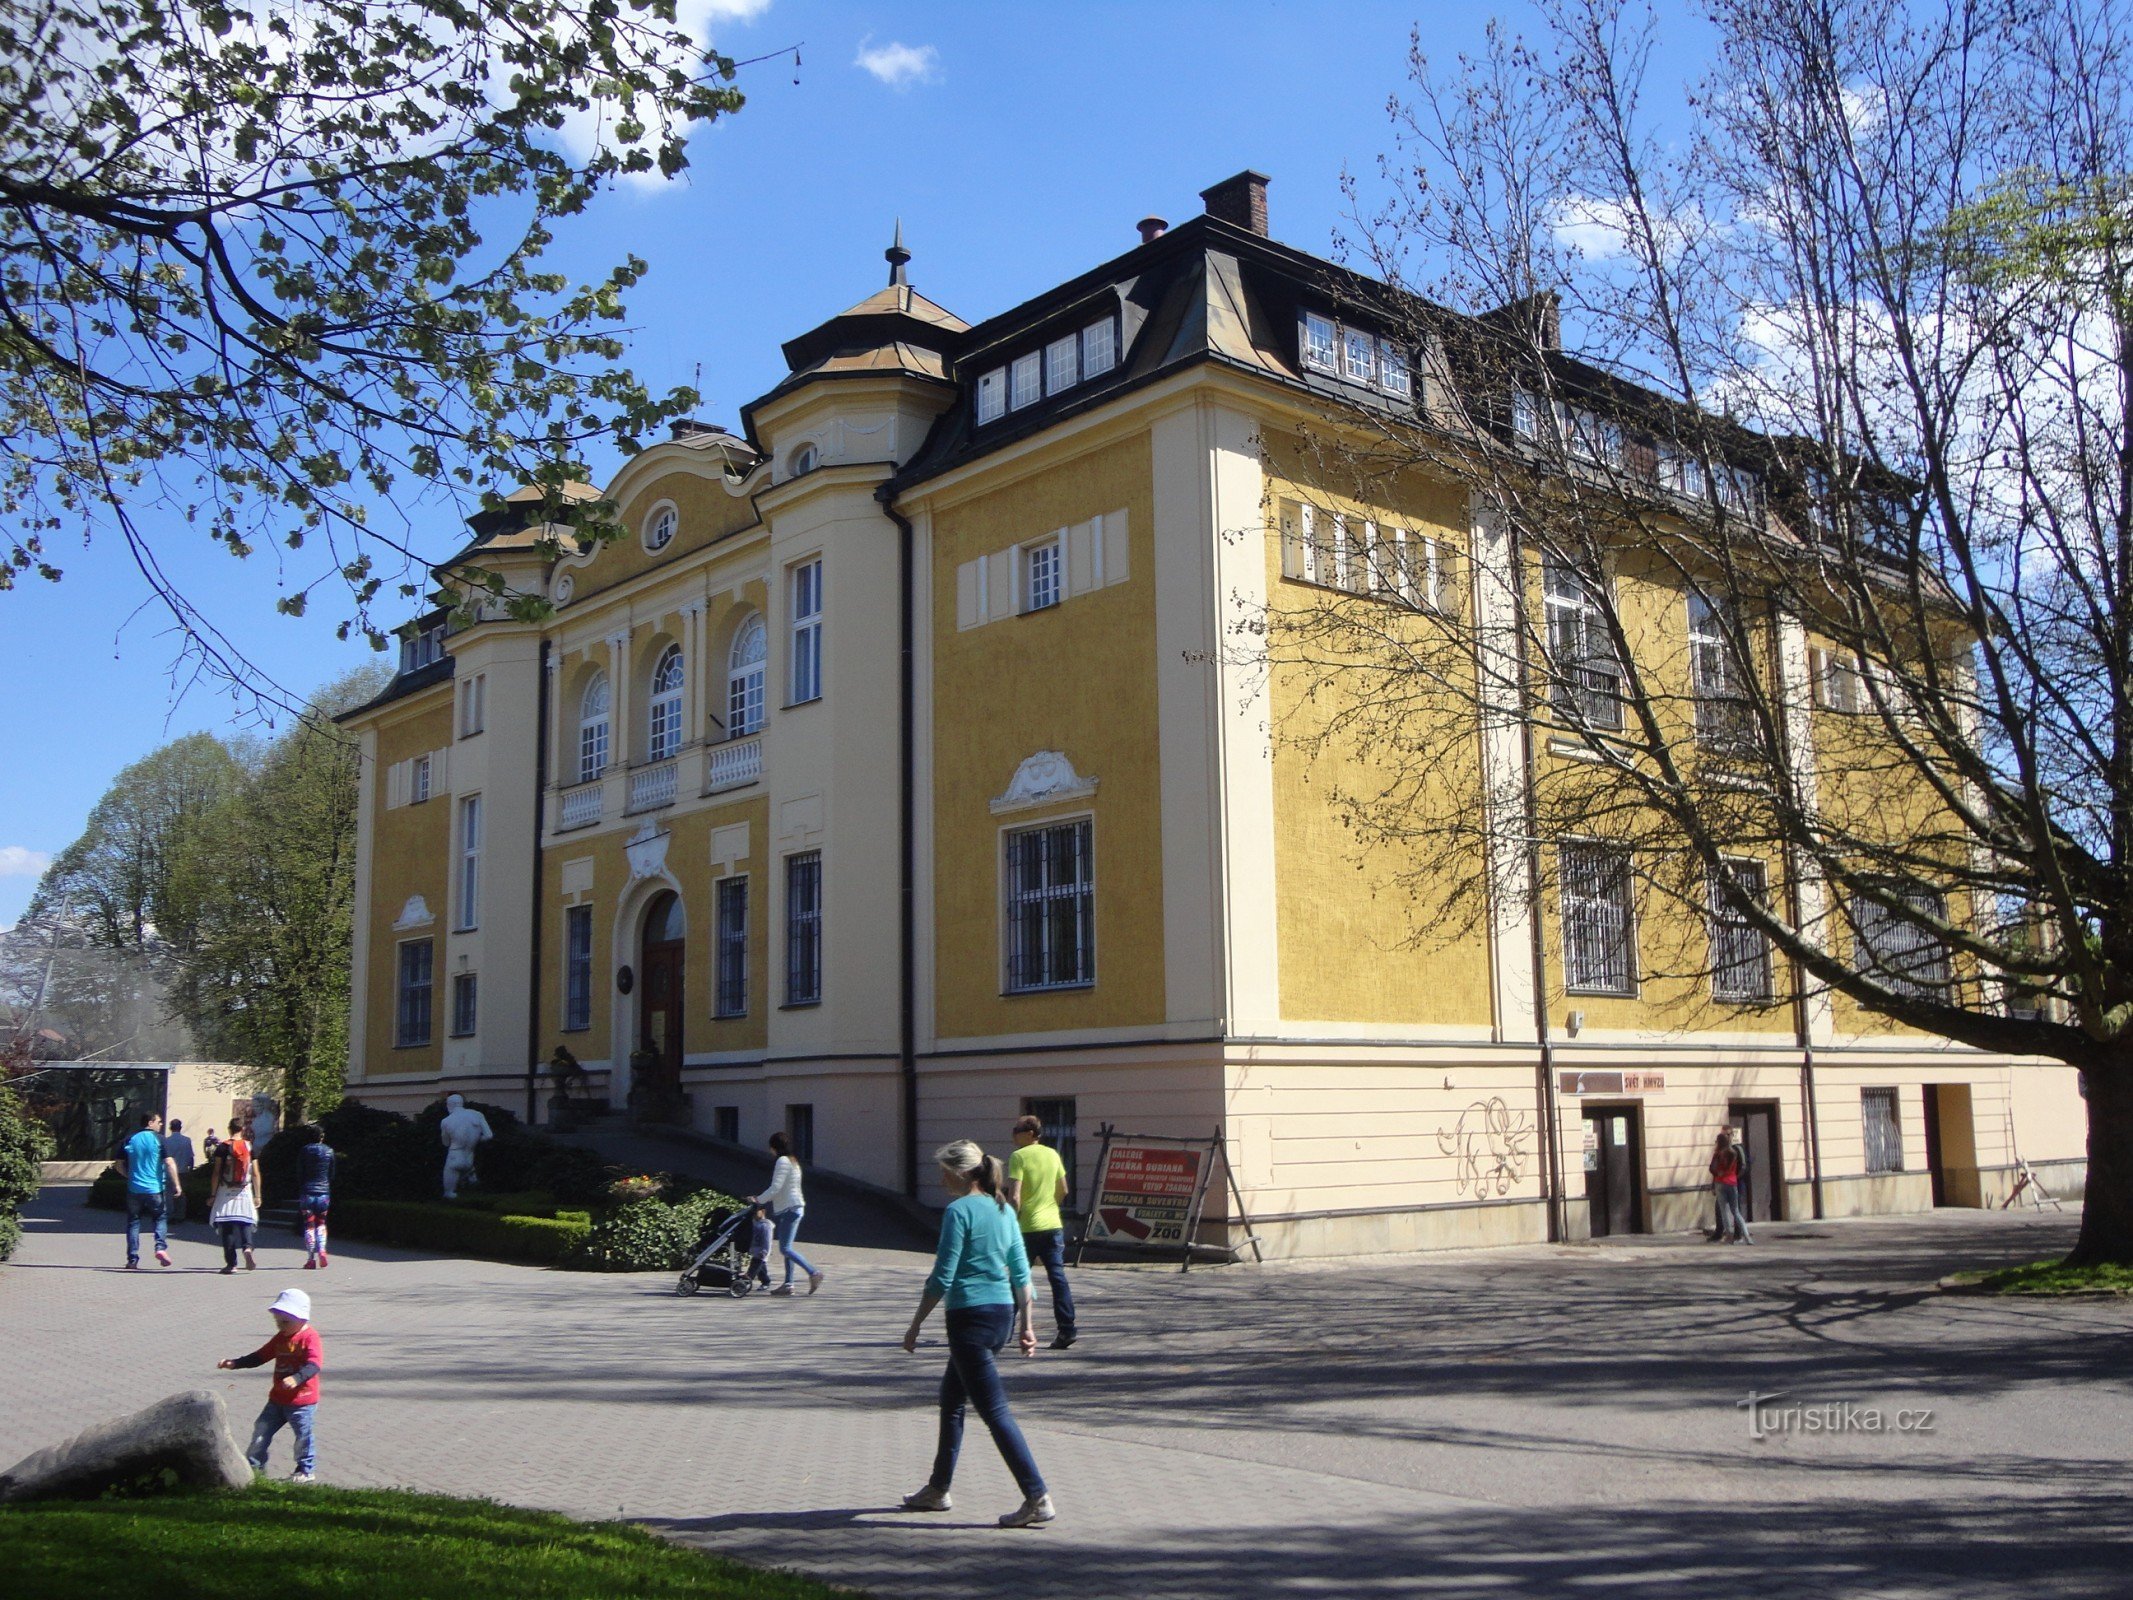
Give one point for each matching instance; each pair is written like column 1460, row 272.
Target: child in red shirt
column 298, row 1357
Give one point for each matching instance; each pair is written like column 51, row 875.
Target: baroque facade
column 895, row 776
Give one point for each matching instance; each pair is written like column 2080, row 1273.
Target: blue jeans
column 139, row 1205
column 1732, row 1220
column 975, row 1335
column 786, row 1224
column 303, row 1419
column 1050, row 1249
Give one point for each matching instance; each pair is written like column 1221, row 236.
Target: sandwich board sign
column 1148, row 1192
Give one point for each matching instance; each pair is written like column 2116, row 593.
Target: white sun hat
column 293, row 1303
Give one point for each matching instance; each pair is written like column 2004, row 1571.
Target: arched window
column 665, row 736
column 744, row 679
column 659, row 532
column 592, row 729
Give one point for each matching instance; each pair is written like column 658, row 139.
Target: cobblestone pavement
column 1541, row 1422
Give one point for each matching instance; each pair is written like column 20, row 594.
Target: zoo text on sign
column 1146, row 1193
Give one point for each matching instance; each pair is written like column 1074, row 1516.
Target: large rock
column 188, row 1434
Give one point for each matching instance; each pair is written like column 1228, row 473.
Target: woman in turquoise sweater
column 981, row 1271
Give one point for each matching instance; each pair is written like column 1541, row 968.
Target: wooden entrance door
column 660, row 1013
column 1613, row 1171
column 1762, row 1188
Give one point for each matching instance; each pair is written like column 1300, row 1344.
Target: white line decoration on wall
column 1044, row 779
column 647, row 850
column 415, row 914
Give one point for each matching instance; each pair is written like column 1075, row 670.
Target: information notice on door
column 1145, row 1193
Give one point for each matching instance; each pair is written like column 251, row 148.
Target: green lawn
column 278, row 1541
column 2050, row 1277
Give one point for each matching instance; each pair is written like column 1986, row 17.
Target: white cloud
column 900, row 65
column 18, row 862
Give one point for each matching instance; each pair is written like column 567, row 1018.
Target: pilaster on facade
column 1505, row 773
column 1795, row 688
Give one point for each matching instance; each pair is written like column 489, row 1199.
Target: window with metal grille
column 1740, row 955
column 744, row 679
column 803, row 929
column 806, row 631
column 462, row 1004
column 412, row 1022
column 1599, row 943
column 726, row 1123
column 592, row 729
column 1058, row 1132
column 1587, row 683
column 1884, row 1135
column 1896, row 950
column 732, row 998
column 577, row 968
column 1040, row 575
column 1051, row 907
column 1723, row 721
column 663, row 735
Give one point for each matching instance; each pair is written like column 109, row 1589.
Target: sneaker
column 1030, row 1513
column 929, row 1499
column 311, row 1263
column 162, row 1258
column 226, row 1271
column 303, row 1477
column 1065, row 1341
column 134, row 1265
column 814, row 1282
column 324, row 1260
column 783, row 1288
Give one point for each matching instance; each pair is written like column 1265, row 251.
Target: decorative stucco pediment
column 1046, row 778
column 647, row 850
column 415, row 914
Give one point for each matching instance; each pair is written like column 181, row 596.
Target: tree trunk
column 2107, row 1207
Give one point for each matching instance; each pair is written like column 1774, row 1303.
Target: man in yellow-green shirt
column 1036, row 1183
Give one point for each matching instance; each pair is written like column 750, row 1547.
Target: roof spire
column 896, row 255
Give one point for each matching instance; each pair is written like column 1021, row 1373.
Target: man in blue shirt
column 147, row 1165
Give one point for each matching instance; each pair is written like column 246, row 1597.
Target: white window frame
column 1062, row 363
column 1724, row 924
column 1099, row 347
column 468, row 903
column 1082, row 892
column 660, row 526
column 1527, row 410
column 577, row 969
column 1026, row 380
column 1578, row 642
column 992, row 395
column 419, row 777
column 745, row 699
column 1722, row 717
column 804, row 674
column 1395, row 372
column 1840, row 682
column 466, row 1006
column 1581, row 911
column 1043, row 574
column 595, row 742
column 662, row 712
column 1354, row 369
column 472, row 694
column 1319, row 340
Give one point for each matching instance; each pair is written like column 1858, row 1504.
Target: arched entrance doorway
column 657, row 1092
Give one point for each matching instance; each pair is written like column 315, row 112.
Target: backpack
column 235, row 1157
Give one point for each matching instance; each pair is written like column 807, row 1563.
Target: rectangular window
column 800, row 1129
column 1058, row 1132
column 1318, row 350
column 803, row 929
column 420, row 649
column 592, row 748
column 462, row 1004
column 1740, row 955
column 1587, row 682
column 1599, row 940
column 1359, row 357
column 1028, row 380
column 418, row 780
column 1393, row 374
column 726, row 1123
column 1839, row 684
column 1099, row 348
column 412, row 1016
column 992, row 395
column 1526, row 412
column 1884, row 1134
column 1062, row 363
column 470, row 861
column 1040, row 575
column 577, row 968
column 1410, row 561
column 732, row 997
column 1594, row 438
column 1051, row 908
column 1896, row 950
column 1723, row 717
column 806, row 632
column 471, row 695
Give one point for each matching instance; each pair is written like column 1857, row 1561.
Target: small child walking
column 298, row 1358
column 759, row 1247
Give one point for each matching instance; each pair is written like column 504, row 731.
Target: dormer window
column 1062, row 363
column 1027, row 380
column 1068, row 360
column 1099, row 348
column 1359, row 357
column 1318, row 342
column 1393, row 374
column 992, row 395
column 422, row 647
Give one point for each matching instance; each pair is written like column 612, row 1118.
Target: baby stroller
column 722, row 1262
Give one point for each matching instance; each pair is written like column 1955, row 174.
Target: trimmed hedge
column 108, row 1191
column 421, row 1225
column 652, row 1236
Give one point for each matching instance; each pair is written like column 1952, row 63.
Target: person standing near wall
column 180, row 1150
column 1036, row 1188
column 148, row 1169
column 1725, row 1189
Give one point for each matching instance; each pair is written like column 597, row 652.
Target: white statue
column 461, row 1130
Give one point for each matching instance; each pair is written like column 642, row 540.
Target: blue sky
column 1019, row 144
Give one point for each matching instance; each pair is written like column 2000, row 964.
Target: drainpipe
column 906, row 848
column 533, row 958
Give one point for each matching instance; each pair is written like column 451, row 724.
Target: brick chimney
column 1240, row 201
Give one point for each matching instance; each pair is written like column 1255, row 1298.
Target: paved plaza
column 1538, row 1422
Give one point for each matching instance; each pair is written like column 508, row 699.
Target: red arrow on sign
column 1119, row 1220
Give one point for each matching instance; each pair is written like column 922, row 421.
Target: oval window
column 803, row 460
column 663, row 525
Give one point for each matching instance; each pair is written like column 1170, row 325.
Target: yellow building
column 898, row 775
